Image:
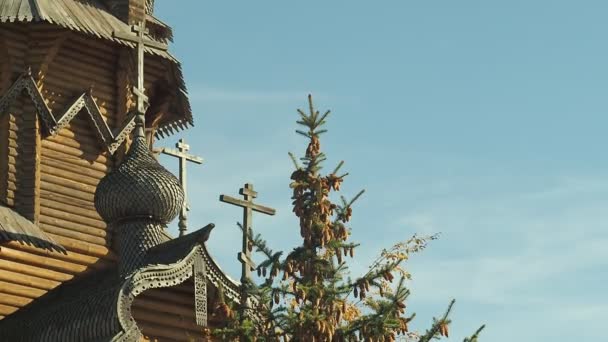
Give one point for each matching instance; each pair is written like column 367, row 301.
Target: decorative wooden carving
column 110, row 140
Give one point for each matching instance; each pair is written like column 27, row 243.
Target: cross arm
column 129, row 37
column 246, row 204
column 179, row 154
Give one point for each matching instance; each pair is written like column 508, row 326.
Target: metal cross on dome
column 182, row 154
column 249, row 207
column 139, row 38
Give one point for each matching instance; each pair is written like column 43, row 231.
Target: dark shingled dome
column 139, row 188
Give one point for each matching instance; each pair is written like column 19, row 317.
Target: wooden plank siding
column 5, row 80
column 167, row 314
column 52, row 179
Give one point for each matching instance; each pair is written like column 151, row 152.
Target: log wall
column 5, row 73
column 169, row 315
column 19, row 129
column 73, row 161
column 52, row 179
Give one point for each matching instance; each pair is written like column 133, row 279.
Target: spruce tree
column 308, row 294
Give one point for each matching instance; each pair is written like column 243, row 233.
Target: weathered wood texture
column 20, row 130
column 72, row 162
column 51, row 180
column 168, row 314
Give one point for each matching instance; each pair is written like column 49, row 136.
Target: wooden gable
column 62, row 125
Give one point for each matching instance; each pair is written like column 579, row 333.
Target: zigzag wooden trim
column 111, row 140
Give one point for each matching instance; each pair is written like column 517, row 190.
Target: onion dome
column 139, row 188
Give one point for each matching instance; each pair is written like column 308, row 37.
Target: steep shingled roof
column 97, row 307
column 85, row 16
column 92, row 17
column 14, row 227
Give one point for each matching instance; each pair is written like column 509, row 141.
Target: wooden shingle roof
column 14, row 227
column 93, row 18
column 97, row 307
column 86, row 16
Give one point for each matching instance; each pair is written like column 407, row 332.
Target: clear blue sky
column 483, row 120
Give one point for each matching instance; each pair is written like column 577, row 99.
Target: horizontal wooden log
column 92, row 176
column 18, row 66
column 6, row 310
column 21, row 147
column 87, row 144
column 36, row 260
column 171, row 296
column 15, row 28
column 165, row 333
column 77, row 41
column 58, row 77
column 67, row 200
column 80, row 187
column 74, row 257
column 85, row 248
column 45, row 30
column 186, row 287
column 27, row 281
column 20, row 290
column 16, row 49
column 59, row 159
column 74, row 220
column 12, row 169
column 46, row 41
column 81, row 125
column 87, row 212
column 13, row 38
column 60, row 90
column 83, row 50
column 71, row 151
column 104, row 62
column 153, row 304
column 10, row 198
column 16, row 32
column 32, row 275
column 74, row 74
column 62, row 190
column 155, row 339
column 80, row 57
column 18, row 301
column 169, row 320
column 82, row 121
column 25, row 112
column 74, row 235
column 21, row 176
column 101, row 74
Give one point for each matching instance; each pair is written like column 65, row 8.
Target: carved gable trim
column 110, row 140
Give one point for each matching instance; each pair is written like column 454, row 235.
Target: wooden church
column 86, row 86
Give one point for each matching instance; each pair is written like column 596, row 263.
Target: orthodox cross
column 142, row 42
column 182, row 154
column 249, row 207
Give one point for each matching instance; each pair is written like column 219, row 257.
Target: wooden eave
column 98, row 307
column 14, row 227
column 91, row 17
